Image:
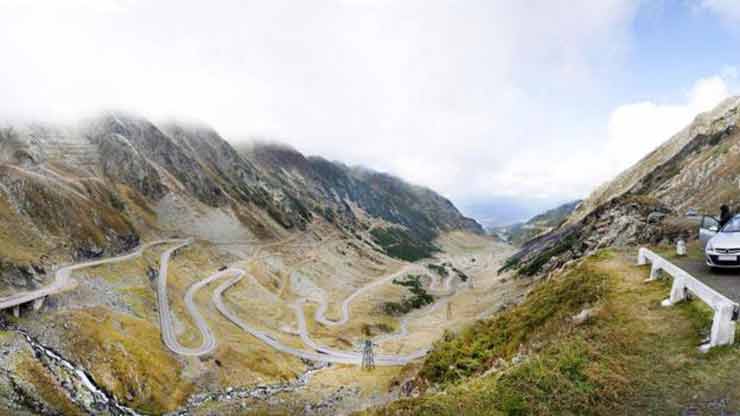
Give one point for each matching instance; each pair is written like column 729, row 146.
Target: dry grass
column 61, row 213
column 126, row 355
column 15, row 245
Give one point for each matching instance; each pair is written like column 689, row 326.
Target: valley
column 247, row 302
column 181, row 275
column 369, row 208
column 160, row 270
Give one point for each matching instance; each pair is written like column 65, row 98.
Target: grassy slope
column 14, row 245
column 398, row 243
column 126, row 356
column 632, row 357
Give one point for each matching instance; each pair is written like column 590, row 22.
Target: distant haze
column 498, row 211
column 506, row 107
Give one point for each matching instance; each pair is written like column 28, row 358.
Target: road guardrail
column 725, row 310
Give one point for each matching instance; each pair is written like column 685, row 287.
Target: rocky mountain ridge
column 698, row 168
column 379, row 195
column 102, row 184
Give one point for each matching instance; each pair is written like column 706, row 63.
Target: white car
column 722, row 246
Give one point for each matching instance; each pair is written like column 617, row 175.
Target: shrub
column 398, row 243
column 439, row 269
column 418, row 299
column 499, row 337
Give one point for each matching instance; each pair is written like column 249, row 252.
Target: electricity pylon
column 368, row 356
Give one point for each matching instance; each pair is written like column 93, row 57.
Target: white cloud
column 727, row 9
column 638, row 128
column 55, row 6
column 558, row 170
column 442, row 92
column 475, row 99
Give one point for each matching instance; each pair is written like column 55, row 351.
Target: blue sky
column 675, row 43
column 503, row 106
column 669, row 46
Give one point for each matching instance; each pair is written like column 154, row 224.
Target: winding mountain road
column 261, row 335
column 322, row 352
column 208, row 341
column 320, row 314
column 63, row 281
column 380, row 359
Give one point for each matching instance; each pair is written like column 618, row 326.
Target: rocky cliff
column 697, row 168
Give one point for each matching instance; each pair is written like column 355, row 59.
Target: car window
column 709, row 222
column 733, row 226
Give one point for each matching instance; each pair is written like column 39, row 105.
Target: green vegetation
column 398, row 243
column 510, row 263
column 630, row 357
column 534, row 266
column 440, row 269
column 476, row 347
column 418, row 299
column 329, row 215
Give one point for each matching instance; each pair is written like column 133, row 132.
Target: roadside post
column 681, row 247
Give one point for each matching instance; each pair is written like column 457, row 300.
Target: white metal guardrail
column 725, row 310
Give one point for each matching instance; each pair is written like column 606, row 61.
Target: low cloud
column 474, row 99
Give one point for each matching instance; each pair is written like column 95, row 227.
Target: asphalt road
column 322, row 353
column 263, row 336
column 323, row 304
column 725, row 281
column 208, row 341
column 63, row 281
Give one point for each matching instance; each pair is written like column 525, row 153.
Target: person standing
column 724, row 215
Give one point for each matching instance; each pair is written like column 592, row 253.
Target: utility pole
column 368, row 356
column 449, row 311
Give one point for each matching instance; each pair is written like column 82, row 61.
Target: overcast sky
column 531, row 101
